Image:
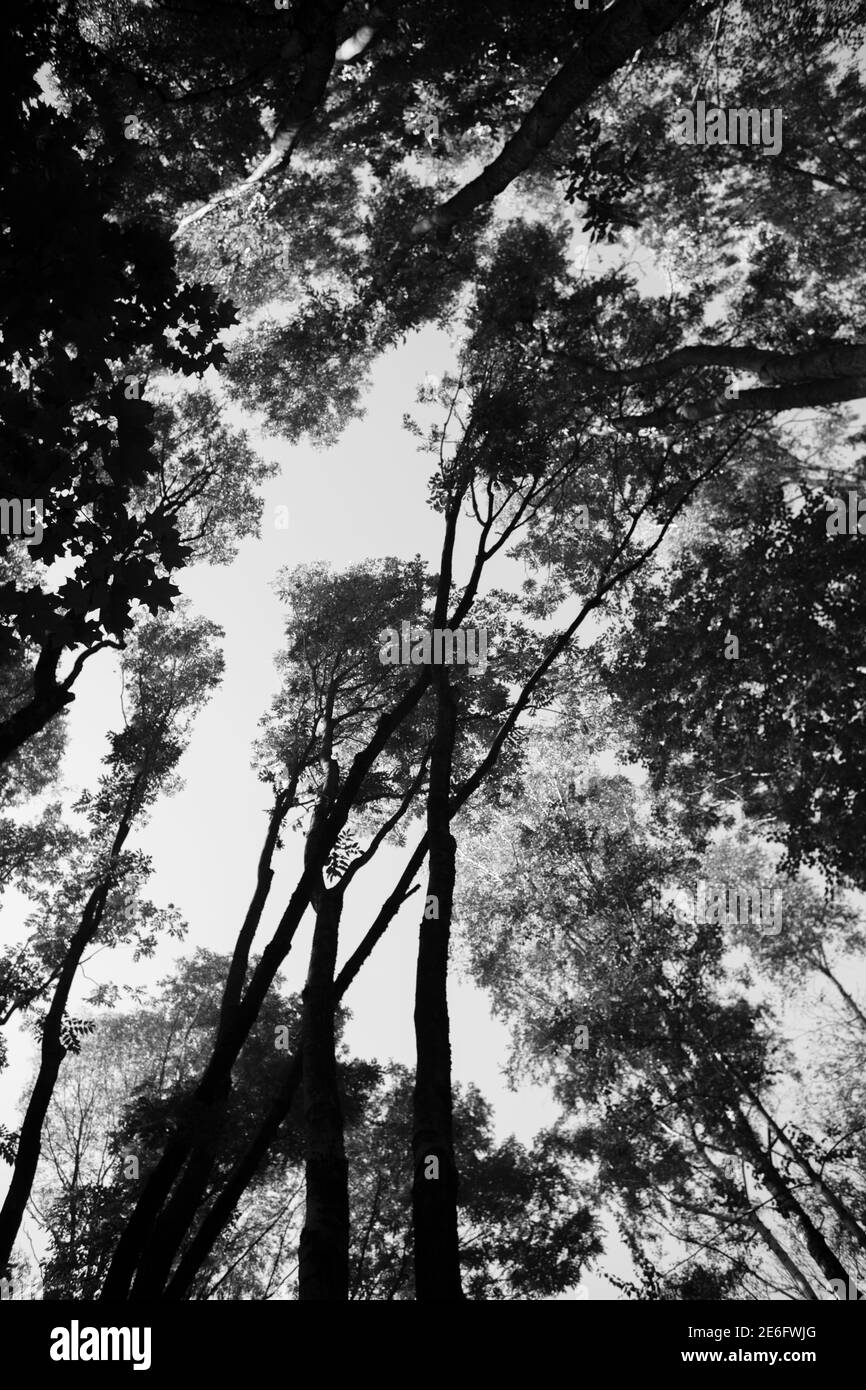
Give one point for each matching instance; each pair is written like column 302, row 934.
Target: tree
column 171, row 670
column 629, row 1008
column 517, row 477
column 525, row 1229
column 117, row 1100
column 776, row 728
column 590, row 428
column 77, row 435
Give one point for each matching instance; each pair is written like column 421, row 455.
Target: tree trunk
column 51, row 1057
column 179, row 1212
column 323, row 1256
column 787, row 1204
column 849, row 999
column 30, row 1140
column 156, row 1257
column 434, row 1186
column 845, row 1216
column 740, row 1200
column 620, row 30
column 48, row 700
column 209, row 1093
column 245, row 1170
column 52, row 1050
column 140, row 1223
column 242, row 1175
column 785, row 1260
column 232, row 1036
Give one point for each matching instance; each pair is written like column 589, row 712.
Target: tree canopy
column 642, row 465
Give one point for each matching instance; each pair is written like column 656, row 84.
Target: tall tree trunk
column 434, row 1186
column 52, row 1050
column 209, row 1095
column 620, row 30
column 131, row 1241
column 231, row 1037
column 323, row 1256
column 179, row 1214
column 845, row 1216
column 785, row 1259
column 246, row 1168
column 740, row 1201
column 788, row 1205
column 242, row 1175
column 238, row 969
column 30, row 1141
column 849, row 999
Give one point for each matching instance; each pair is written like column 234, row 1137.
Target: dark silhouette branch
column 615, row 37
column 765, row 399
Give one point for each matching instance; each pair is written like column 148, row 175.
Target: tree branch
column 619, row 32
column 319, row 50
column 829, row 361
column 773, row 399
